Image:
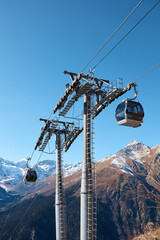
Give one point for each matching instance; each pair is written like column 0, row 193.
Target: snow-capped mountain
column 71, row 169
column 10, row 174
column 13, row 173
column 45, row 168
column 134, row 153
column 127, row 187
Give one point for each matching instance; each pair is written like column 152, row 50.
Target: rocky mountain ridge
column 11, row 174
column 128, row 197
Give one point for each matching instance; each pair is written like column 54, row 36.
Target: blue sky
column 42, row 38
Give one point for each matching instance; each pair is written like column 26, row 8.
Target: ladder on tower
column 91, row 172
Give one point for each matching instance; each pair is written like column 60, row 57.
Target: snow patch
column 107, row 158
column 5, row 187
column 157, row 148
column 121, row 163
column 127, row 171
column 22, row 160
column 71, row 169
column 45, row 167
column 134, row 142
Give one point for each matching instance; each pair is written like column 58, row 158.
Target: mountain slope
column 128, row 198
column 149, row 235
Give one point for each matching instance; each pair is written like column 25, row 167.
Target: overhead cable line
column 112, row 35
column 4, row 225
column 146, row 73
column 39, row 158
column 34, row 149
column 21, row 219
column 125, row 35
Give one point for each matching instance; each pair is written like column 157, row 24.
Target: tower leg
column 84, row 181
column 59, row 196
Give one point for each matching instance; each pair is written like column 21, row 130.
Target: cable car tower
column 98, row 94
column 65, row 133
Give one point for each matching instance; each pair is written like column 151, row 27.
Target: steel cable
column 4, row 225
column 10, row 238
column 125, row 35
column 112, row 35
column 34, row 149
column 146, row 73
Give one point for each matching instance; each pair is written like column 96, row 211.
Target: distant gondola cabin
column 30, row 176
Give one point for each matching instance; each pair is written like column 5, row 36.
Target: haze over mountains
column 128, row 193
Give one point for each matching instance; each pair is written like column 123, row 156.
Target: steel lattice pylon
column 66, row 133
column 92, row 89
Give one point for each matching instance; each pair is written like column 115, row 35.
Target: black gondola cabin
column 30, row 176
column 129, row 113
